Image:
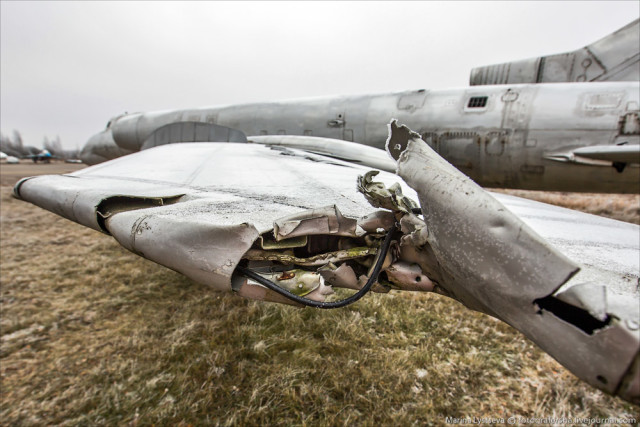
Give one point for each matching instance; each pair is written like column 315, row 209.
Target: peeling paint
column 409, row 277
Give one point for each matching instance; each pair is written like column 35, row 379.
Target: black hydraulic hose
column 382, row 254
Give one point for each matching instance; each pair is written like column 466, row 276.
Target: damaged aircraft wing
column 278, row 223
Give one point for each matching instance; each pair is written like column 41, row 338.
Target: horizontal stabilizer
column 612, row 153
column 627, row 154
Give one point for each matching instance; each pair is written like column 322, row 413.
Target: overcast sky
column 67, row 67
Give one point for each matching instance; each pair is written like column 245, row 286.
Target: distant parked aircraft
column 43, row 156
column 11, row 160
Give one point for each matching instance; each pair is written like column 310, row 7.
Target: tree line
column 14, row 146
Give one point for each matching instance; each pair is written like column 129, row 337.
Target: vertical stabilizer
column 615, row 57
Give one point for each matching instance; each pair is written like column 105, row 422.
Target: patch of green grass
column 94, row 335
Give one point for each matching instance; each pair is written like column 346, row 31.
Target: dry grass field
column 94, row 335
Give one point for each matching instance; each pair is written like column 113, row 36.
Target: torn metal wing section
column 481, row 254
column 201, row 209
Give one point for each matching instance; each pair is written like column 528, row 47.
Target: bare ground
column 92, row 334
column 10, row 174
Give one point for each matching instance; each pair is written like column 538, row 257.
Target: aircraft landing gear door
column 336, row 127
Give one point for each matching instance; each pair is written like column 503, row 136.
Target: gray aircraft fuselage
column 514, row 136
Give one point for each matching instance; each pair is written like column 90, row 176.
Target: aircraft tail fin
column 615, row 57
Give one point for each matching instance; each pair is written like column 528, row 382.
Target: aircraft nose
column 100, row 148
column 89, row 154
column 124, row 131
